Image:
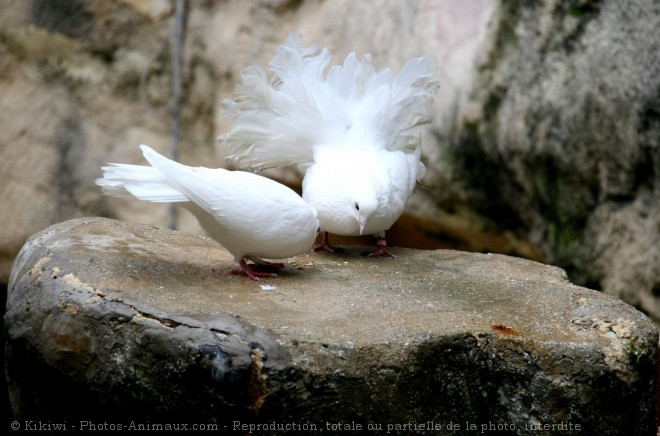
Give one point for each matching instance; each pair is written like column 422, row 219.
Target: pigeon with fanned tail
column 353, row 131
column 252, row 216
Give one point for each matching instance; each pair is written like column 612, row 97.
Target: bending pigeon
column 354, row 132
column 252, row 216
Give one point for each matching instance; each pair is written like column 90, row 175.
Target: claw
column 325, row 246
column 381, row 249
column 247, row 271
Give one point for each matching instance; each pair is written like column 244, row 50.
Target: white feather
column 279, row 121
column 144, row 183
column 250, row 215
column 354, row 130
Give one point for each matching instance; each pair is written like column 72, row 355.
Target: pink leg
column 381, row 249
column 325, row 246
column 247, row 271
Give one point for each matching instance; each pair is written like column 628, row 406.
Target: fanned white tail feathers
column 143, row 182
column 279, row 121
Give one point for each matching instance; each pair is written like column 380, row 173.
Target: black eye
column 357, row 206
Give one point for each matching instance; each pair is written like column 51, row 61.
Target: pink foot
column 381, row 249
column 325, row 246
column 247, row 271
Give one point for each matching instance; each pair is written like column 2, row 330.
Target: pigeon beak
column 362, row 223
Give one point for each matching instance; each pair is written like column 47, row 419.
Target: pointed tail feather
column 143, row 182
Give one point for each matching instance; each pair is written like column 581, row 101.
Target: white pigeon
column 252, row 216
column 355, row 132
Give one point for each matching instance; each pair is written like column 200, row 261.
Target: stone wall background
column 544, row 144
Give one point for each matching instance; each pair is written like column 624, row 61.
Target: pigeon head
column 363, row 207
column 355, row 198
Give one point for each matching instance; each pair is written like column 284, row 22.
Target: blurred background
column 545, row 140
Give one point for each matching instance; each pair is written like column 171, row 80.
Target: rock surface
column 544, row 141
column 561, row 141
column 134, row 324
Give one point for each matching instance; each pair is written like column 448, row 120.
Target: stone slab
column 133, row 323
